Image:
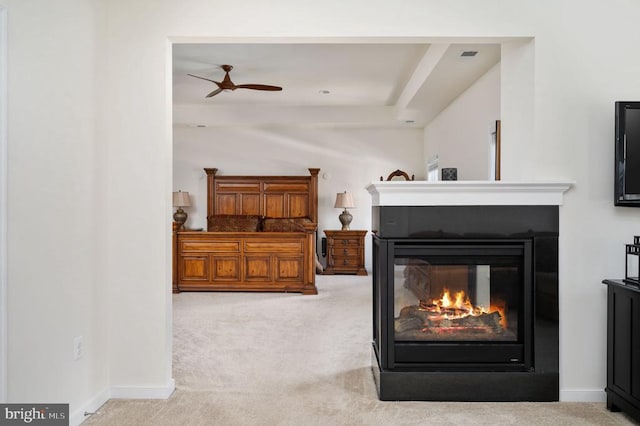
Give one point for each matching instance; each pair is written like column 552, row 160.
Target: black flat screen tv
column 627, row 155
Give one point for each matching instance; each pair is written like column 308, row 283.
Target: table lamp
column 180, row 200
column 344, row 200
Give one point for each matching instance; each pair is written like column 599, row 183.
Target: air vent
column 467, row 53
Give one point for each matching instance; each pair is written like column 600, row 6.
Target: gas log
column 416, row 322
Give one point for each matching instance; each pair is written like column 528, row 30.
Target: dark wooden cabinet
column 623, row 347
column 345, row 252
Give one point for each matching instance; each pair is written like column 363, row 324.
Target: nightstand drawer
column 346, row 261
column 339, row 242
column 345, row 251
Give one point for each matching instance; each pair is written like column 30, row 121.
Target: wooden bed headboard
column 268, row 196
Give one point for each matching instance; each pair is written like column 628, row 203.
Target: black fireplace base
column 467, row 386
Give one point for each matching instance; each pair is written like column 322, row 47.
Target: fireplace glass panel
column 467, row 296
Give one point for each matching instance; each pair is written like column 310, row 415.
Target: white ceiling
column 390, row 83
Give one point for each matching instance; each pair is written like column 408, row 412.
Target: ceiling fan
column 227, row 85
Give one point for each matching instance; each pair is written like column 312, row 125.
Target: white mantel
column 466, row 193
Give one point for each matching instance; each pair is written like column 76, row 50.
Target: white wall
column 461, row 134
column 517, row 112
column 138, row 141
column 349, row 159
column 57, row 199
column 57, row 288
column 3, row 203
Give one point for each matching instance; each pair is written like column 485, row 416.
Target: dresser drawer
column 205, row 246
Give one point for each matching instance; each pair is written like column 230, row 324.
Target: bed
column 260, row 236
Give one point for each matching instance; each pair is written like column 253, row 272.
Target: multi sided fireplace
column 465, row 303
column 452, row 295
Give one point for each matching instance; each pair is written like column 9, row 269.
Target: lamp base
column 345, row 219
column 180, row 217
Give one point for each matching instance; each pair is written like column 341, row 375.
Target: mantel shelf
column 467, row 193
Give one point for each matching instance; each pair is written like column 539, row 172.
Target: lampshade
column 344, row 200
column 181, row 199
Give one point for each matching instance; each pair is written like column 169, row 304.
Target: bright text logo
column 36, row 414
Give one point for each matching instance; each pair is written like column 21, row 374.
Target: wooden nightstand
column 345, row 252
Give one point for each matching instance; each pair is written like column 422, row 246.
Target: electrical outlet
column 78, row 348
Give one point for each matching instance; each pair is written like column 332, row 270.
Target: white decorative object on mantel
column 467, row 193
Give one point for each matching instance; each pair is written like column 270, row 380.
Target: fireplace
column 453, row 295
column 465, row 303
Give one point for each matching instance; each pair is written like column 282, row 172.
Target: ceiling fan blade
column 202, row 78
column 227, row 85
column 215, row 92
column 258, row 87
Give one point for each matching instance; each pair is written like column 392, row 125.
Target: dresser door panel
column 226, row 268
column 195, row 268
column 257, row 268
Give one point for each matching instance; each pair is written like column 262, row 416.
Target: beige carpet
column 287, row 359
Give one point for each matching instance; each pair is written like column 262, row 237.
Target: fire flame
column 460, row 306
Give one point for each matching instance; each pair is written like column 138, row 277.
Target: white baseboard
column 583, row 395
column 120, row 392
column 132, row 392
column 90, row 406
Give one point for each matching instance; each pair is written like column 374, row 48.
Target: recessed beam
column 425, row 67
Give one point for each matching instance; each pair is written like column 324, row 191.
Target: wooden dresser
column 345, row 252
